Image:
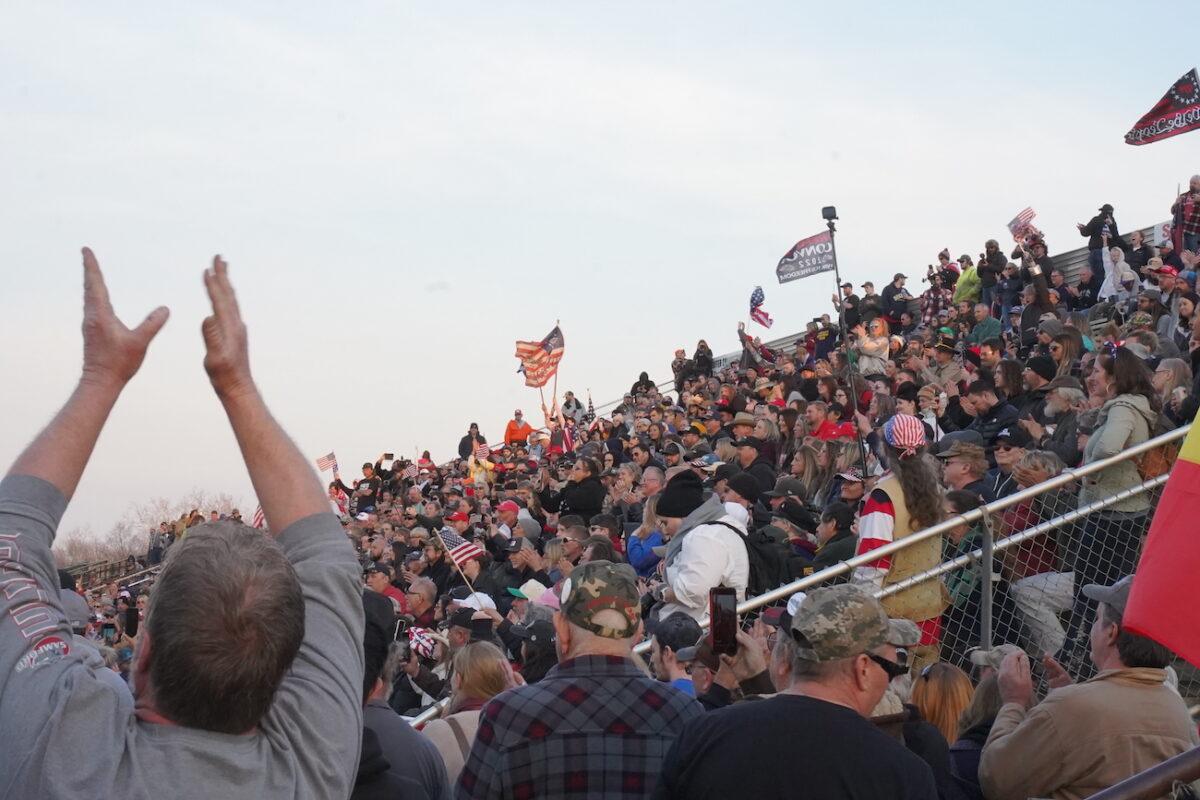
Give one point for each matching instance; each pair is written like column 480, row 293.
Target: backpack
column 1159, row 460
column 767, row 560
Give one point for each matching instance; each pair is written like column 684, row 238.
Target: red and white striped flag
column 260, row 519
column 421, row 642
column 325, row 463
column 757, row 312
column 1021, row 226
column 459, row 549
column 539, row 360
column 410, row 472
column 482, row 451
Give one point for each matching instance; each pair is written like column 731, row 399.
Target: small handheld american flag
column 421, row 642
column 325, row 463
column 757, row 312
column 482, row 451
column 260, row 519
column 460, row 550
column 410, row 472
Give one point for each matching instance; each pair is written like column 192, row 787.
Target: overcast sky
column 404, row 189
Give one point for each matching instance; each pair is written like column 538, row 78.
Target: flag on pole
column 1177, row 112
column 810, row 256
column 539, row 360
column 459, row 549
column 482, row 451
column 260, row 519
column 1165, row 585
column 1021, row 226
column 410, row 472
column 590, row 416
column 757, row 312
column 325, row 463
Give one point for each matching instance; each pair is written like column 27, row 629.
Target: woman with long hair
column 871, row 346
column 1107, row 547
column 942, row 693
column 907, row 498
column 973, row 728
column 767, row 432
column 806, row 467
column 480, row 673
column 1065, row 350
column 826, row 388
column 1007, row 378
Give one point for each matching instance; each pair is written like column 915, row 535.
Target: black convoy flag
column 1178, row 112
column 807, row 257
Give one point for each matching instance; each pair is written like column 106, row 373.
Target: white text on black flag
column 807, row 257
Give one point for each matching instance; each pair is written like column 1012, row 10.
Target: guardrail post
column 985, row 586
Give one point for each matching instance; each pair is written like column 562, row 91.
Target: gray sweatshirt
column 67, row 733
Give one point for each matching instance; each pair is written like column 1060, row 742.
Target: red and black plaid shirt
column 594, row 727
column 1189, row 214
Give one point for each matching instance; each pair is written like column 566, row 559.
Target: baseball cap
column 1116, row 595
column 903, row 633
column 457, row 516
column 701, row 651
column 838, row 622
column 602, row 597
column 1015, row 435
column 479, row 601
column 537, row 632
column 1018, row 310
column 853, row 474
column 461, row 618
column 992, row 658
column 750, row 441
column 529, row 590
column 948, row 440
column 509, row 505
column 374, row 566
column 960, row 449
column 786, row 487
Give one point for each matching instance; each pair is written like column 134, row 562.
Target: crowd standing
column 510, row 587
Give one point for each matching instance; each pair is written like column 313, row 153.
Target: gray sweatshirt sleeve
column 317, row 709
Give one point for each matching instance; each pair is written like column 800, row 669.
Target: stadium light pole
column 829, row 214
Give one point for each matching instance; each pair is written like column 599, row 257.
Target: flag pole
column 830, row 214
column 455, row 563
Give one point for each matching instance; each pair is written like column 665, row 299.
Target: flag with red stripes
column 410, row 472
column 757, row 312
column 1021, row 226
column 459, row 549
column 325, row 463
column 260, row 519
column 539, row 360
column 482, row 451
column 421, row 642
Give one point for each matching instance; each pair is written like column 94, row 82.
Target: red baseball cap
column 509, row 505
column 1167, row 270
column 457, row 516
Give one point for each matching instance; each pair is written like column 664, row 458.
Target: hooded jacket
column 585, row 498
column 1124, row 421
column 704, row 555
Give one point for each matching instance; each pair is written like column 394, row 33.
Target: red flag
column 1178, row 112
column 1164, row 590
column 539, row 360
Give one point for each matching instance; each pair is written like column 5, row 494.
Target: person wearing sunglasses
column 831, row 668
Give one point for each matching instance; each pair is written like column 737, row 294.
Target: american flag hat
column 905, row 433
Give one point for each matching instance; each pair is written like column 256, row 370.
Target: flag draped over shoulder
column 1177, row 112
column 1163, row 597
column 539, row 360
column 757, row 312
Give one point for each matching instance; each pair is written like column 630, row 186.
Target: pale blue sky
column 402, row 190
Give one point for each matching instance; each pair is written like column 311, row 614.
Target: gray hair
column 654, row 472
column 424, row 587
column 1072, row 397
column 1043, row 460
column 225, row 627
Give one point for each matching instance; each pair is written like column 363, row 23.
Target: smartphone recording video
column 723, row 620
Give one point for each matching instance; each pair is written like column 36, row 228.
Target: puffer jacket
column 1125, row 420
column 703, row 555
column 585, row 498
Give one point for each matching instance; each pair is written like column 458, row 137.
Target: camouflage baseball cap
column 598, row 587
column 903, row 633
column 839, row 622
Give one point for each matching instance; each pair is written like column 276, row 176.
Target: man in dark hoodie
column 753, row 463
column 1101, row 233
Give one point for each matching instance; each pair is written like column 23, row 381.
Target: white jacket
column 711, row 555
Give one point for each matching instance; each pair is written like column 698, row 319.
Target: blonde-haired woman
column 480, row 673
column 942, row 693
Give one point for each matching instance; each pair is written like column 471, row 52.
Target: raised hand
column 112, row 353
column 227, row 359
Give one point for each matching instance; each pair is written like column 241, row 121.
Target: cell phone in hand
column 131, row 621
column 389, row 456
column 723, row 620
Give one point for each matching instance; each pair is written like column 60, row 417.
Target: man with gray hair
column 249, row 667
column 1060, row 435
column 831, row 666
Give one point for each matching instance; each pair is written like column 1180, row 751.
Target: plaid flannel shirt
column 594, row 727
column 932, row 302
column 1190, row 215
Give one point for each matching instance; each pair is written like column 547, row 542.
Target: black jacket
column 375, row 779
column 762, row 471
column 835, row 551
column 466, row 446
column 1095, row 228
column 585, row 498
column 996, row 419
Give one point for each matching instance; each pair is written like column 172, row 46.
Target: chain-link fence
column 1013, row 570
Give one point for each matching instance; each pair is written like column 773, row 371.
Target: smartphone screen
column 389, row 456
column 723, row 621
column 109, row 632
column 131, row 621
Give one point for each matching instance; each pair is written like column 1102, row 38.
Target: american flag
column 260, row 519
column 590, row 416
column 410, row 472
column 1021, row 225
column 757, row 312
column 482, row 451
column 421, row 642
column 460, row 550
column 539, row 360
column 325, row 463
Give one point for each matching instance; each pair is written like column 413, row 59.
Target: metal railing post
column 986, row 587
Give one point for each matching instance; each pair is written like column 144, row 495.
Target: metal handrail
column 1156, row 781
